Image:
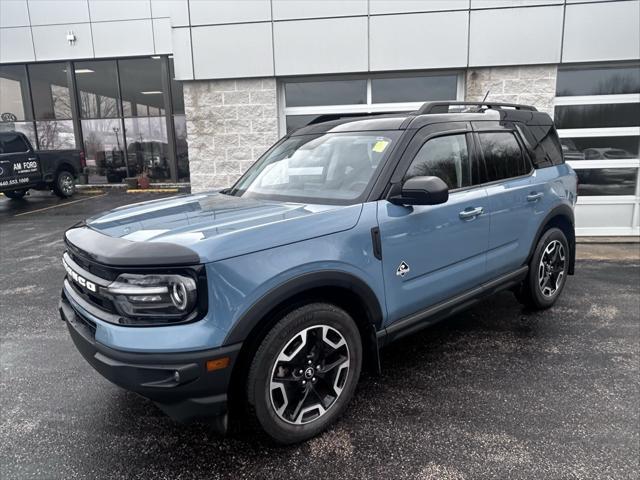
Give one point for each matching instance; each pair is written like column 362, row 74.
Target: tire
column 548, row 270
column 64, row 184
column 15, row 194
column 314, row 335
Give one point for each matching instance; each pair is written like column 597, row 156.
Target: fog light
column 176, row 376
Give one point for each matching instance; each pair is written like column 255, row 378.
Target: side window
column 12, row 143
column 503, row 157
column 444, row 157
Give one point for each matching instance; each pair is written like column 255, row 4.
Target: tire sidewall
column 282, row 333
column 58, row 188
column 550, row 235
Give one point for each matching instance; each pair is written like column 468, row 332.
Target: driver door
column 431, row 253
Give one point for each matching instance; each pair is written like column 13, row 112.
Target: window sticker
column 380, row 146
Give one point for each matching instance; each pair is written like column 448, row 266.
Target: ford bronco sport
column 347, row 234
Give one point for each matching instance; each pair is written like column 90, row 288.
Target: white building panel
column 223, row 51
column 50, row 42
column 14, row 13
column 182, row 59
column 511, row 36
column 102, row 10
column 286, row 9
column 512, row 3
column 377, row 7
column 420, row 40
column 602, row 31
column 206, row 12
column 16, row 45
column 333, row 45
column 165, row 8
column 47, row 12
column 162, row 35
column 122, row 39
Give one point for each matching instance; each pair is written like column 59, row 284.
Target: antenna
column 485, row 96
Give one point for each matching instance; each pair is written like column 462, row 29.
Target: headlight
column 154, row 295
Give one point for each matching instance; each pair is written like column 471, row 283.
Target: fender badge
column 403, row 269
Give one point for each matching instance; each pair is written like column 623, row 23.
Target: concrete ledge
column 628, row 239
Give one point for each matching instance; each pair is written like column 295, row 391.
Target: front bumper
column 178, row 383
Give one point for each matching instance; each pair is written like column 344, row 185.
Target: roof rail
column 439, row 107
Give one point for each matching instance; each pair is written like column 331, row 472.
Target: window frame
column 366, row 108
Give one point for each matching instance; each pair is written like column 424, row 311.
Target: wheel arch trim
column 298, row 285
column 563, row 211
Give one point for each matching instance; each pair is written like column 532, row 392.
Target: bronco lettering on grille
column 83, row 282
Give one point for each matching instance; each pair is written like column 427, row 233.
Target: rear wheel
column 15, row 194
column 305, row 372
column 548, row 270
column 64, row 185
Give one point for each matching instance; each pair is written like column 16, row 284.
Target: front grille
column 92, row 266
column 95, row 299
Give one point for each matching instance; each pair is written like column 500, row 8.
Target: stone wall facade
column 531, row 85
column 230, row 123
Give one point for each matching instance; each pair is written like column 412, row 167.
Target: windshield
column 335, row 168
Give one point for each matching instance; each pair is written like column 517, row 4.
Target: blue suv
column 271, row 296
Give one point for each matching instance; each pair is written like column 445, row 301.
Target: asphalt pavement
column 494, row 392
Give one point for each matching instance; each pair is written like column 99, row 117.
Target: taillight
column 83, row 160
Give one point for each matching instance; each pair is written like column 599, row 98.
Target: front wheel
column 548, row 270
column 15, row 194
column 305, row 372
column 64, row 185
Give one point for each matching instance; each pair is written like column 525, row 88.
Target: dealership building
column 196, row 90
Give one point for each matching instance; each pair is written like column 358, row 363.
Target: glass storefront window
column 141, row 86
column 50, row 91
column 97, row 84
column 56, row 134
column 15, row 105
column 182, row 151
column 52, row 105
column 414, row 89
column 104, row 150
column 121, row 114
column 597, row 115
column 177, row 95
column 147, row 147
column 327, row 92
column 598, row 80
column 607, row 181
column 26, row 128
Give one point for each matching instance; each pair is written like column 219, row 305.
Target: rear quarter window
column 543, row 143
column 12, row 143
column 503, row 156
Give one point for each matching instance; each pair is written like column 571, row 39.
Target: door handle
column 471, row 213
column 32, row 158
column 532, row 197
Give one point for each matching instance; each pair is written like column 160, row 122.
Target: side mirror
column 422, row 191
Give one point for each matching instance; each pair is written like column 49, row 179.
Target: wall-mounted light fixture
column 71, row 37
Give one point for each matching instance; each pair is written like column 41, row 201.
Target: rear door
column 512, row 196
column 19, row 166
column 433, row 252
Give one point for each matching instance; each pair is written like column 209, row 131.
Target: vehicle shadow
column 419, row 371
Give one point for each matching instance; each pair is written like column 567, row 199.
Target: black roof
column 430, row 112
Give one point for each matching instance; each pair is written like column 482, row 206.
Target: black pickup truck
column 22, row 167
